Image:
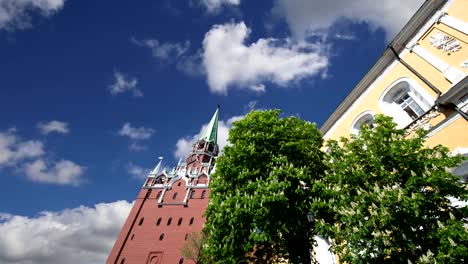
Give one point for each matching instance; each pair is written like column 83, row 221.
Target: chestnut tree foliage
column 262, row 190
column 387, row 198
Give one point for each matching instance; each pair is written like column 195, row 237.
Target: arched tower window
column 174, row 196
column 169, row 221
column 141, row 221
column 203, row 194
column 191, row 221
column 161, row 237
column 180, row 221
column 366, row 118
column 159, row 221
column 405, row 101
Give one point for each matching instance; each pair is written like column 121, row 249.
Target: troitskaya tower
column 169, row 207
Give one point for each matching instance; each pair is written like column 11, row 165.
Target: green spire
column 211, row 132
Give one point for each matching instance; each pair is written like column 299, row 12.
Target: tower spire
column 211, row 131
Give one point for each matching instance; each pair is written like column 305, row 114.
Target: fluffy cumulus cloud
column 79, row 235
column 308, row 16
column 29, row 157
column 229, row 61
column 14, row 150
column 184, row 145
column 17, row 13
column 136, row 135
column 124, row 83
column 164, row 51
column 215, row 5
column 136, row 171
column 63, row 172
column 53, row 126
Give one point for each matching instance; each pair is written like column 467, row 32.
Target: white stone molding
column 452, row 74
column 423, row 122
column 444, row 42
column 454, row 23
column 464, row 64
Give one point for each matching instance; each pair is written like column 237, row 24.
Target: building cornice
column 401, row 40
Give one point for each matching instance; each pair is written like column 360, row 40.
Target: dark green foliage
column 262, row 190
column 386, row 199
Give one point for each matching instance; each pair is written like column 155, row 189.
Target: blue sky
column 92, row 92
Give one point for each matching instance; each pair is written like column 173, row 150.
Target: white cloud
column 17, row 13
column 259, row 88
column 229, row 61
column 164, row 51
column 184, row 145
column 18, row 153
column 136, row 133
column 63, row 172
column 53, row 126
column 14, row 150
column 307, row 16
column 123, row 83
column 137, row 171
column 215, row 5
column 78, row 235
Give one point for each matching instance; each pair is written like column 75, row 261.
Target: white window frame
column 389, row 107
column 360, row 120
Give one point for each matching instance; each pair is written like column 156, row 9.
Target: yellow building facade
column 420, row 80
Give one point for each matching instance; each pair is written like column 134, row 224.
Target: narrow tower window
column 191, row 221
column 161, row 237
column 186, row 236
column 141, row 221
column 169, row 221
column 203, row 194
column 181, row 260
column 180, row 221
column 174, row 196
column 159, row 221
column 123, row 261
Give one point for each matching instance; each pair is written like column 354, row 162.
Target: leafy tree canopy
column 262, row 190
column 387, row 198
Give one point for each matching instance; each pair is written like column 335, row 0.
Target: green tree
column 387, row 198
column 262, row 190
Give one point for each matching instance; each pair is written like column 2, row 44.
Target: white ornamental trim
column 445, row 42
column 464, row 64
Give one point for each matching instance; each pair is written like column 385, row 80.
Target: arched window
column 174, row 196
column 141, row 221
column 366, row 118
column 181, row 260
column 179, row 183
column 169, row 221
column 203, row 194
column 191, row 221
column 405, row 101
column 192, row 194
column 180, row 221
column 161, row 237
column 159, row 221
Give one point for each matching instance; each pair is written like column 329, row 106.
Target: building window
column 203, row 194
column 180, row 221
column 181, row 260
column 191, row 221
column 186, row 236
column 133, row 235
column 159, row 221
column 366, row 118
column 179, row 183
column 122, row 261
column 192, row 194
column 169, row 221
column 161, row 237
column 141, row 221
column 405, row 101
column 174, row 196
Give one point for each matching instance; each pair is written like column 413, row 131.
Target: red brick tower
column 169, row 207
